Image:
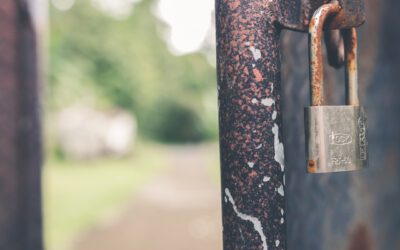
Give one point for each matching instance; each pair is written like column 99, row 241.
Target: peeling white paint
column 251, row 164
column 274, row 114
column 247, row 43
column 272, row 87
column 282, row 220
column 256, row 53
column 254, row 101
column 281, row 191
column 282, row 212
column 278, row 146
column 266, row 179
column 277, row 242
column 259, row 146
column 267, row 102
column 241, row 234
column 256, row 222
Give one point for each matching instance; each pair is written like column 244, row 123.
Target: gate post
column 252, row 154
column 20, row 143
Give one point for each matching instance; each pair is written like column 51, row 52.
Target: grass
column 77, row 195
column 214, row 164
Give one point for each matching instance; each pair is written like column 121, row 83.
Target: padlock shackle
column 350, row 43
column 315, row 43
column 316, row 60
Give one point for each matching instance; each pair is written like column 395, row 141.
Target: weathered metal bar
column 20, row 144
column 350, row 43
column 252, row 157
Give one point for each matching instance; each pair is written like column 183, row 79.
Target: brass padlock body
column 336, row 138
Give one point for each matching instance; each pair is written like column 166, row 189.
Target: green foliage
column 180, row 123
column 101, row 61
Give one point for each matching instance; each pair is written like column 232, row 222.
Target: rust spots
column 311, row 23
column 246, row 71
column 316, row 60
column 311, row 166
column 351, row 47
column 360, row 239
column 253, row 174
column 245, row 124
column 234, row 4
column 258, row 75
column 352, row 15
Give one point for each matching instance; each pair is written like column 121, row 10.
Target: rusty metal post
column 252, row 153
column 20, row 144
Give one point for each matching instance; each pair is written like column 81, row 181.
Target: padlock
column 336, row 138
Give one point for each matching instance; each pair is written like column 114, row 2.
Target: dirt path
column 178, row 210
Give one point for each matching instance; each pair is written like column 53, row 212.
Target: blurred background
column 128, row 100
column 130, row 125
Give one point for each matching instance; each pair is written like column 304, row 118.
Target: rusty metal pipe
column 316, row 63
column 251, row 147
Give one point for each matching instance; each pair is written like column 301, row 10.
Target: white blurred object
column 63, row 5
column 189, row 22
column 119, row 9
column 85, row 133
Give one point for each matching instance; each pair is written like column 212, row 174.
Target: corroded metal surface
column 335, row 135
column 296, row 14
column 351, row 15
column 350, row 44
column 316, row 61
column 20, row 148
column 252, row 157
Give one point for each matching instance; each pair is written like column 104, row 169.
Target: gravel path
column 177, row 210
